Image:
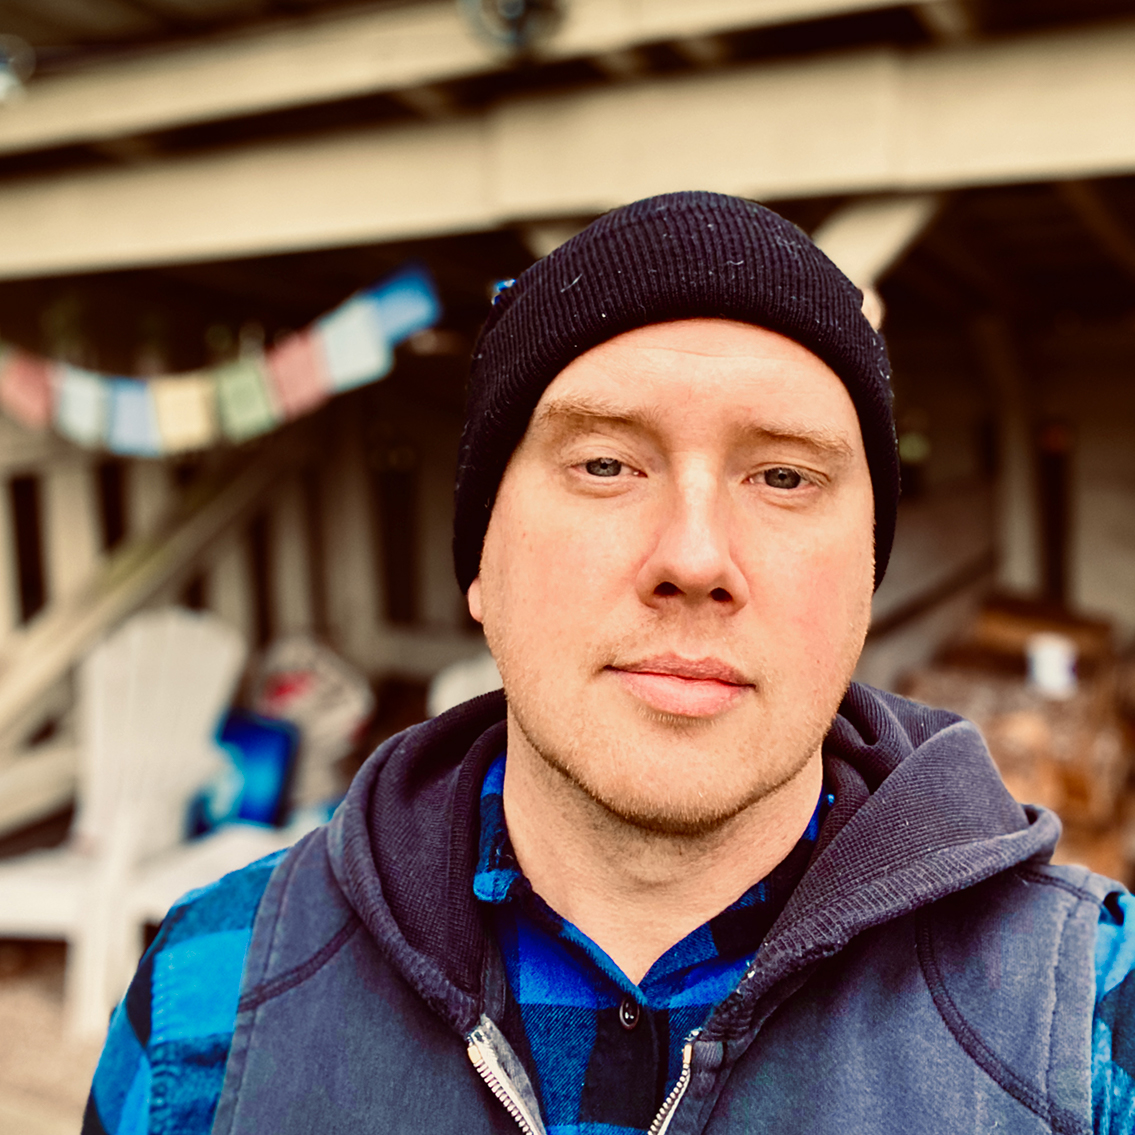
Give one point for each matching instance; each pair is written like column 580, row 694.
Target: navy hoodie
column 930, row 973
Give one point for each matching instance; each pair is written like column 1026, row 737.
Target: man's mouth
column 684, row 687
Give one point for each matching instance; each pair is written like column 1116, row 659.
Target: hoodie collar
column 920, row 813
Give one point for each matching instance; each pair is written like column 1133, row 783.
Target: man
column 686, row 877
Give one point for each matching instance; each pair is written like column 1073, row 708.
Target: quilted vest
column 970, row 1013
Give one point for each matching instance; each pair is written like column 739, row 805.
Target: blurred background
column 245, row 247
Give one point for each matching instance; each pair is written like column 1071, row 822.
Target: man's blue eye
column 782, row 478
column 604, row 467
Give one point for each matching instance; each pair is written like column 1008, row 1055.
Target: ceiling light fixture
column 517, row 26
column 17, row 62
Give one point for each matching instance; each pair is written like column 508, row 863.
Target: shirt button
column 628, row 1013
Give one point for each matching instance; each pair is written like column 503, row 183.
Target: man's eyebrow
column 822, row 440
column 585, row 412
column 591, row 411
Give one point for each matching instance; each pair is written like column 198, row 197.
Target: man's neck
column 636, row 893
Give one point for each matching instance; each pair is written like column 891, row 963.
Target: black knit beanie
column 677, row 256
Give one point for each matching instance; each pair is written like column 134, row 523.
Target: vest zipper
column 482, row 1058
column 665, row 1114
column 496, row 1079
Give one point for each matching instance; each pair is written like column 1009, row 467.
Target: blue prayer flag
column 407, row 302
column 132, row 419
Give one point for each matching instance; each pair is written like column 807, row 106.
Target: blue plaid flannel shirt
column 606, row 1052
column 162, row 1067
column 163, row 1063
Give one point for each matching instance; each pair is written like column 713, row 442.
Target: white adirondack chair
column 461, row 681
column 149, row 700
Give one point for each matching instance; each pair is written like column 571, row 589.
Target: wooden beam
column 932, row 288
column 1110, row 233
column 1046, row 106
column 866, row 238
column 987, row 285
column 9, row 571
column 105, row 21
column 345, row 55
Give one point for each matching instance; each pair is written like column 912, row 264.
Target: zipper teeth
column 498, row 1090
column 662, row 1119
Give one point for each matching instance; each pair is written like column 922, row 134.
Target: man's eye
column 604, row 467
column 782, row 478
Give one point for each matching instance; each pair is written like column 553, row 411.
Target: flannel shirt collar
column 733, row 934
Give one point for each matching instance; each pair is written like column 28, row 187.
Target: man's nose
column 692, row 558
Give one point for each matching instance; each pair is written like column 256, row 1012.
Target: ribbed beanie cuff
column 678, row 256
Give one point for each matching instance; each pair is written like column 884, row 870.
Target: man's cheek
column 582, row 555
column 826, row 599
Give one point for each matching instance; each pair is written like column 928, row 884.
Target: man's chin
column 663, row 797
column 670, row 817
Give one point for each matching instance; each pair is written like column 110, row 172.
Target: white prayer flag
column 80, row 405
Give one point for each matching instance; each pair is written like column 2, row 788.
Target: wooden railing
column 279, row 537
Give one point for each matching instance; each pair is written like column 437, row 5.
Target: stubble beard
column 669, row 811
column 652, row 796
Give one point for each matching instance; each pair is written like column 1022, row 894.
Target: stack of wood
column 1070, row 754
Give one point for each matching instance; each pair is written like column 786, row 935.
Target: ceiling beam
column 345, row 55
column 1047, row 107
column 949, row 21
column 97, row 22
column 865, row 239
column 1111, row 235
column 989, row 288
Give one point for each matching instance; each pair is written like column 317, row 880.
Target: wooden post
column 1018, row 524
column 291, row 577
column 351, row 560
column 440, row 602
column 9, row 572
column 149, row 496
column 230, row 585
column 71, row 526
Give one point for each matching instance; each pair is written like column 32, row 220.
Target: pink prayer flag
column 25, row 389
column 297, row 370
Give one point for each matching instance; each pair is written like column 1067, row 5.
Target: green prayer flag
column 244, row 401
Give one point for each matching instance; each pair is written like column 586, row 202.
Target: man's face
column 677, row 576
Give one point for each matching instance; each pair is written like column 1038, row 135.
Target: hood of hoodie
column 920, row 813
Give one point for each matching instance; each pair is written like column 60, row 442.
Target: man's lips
column 685, row 687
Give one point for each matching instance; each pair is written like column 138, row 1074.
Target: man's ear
column 473, row 598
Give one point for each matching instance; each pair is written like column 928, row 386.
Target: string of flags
column 349, row 347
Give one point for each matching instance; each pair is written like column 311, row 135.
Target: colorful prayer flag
column 244, row 401
column 25, row 389
column 407, row 302
column 351, row 346
column 297, row 369
column 132, row 423
column 354, row 344
column 80, row 404
column 186, row 411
